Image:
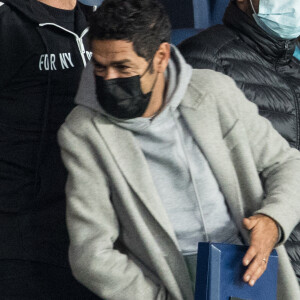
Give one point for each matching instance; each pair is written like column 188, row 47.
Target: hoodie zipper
column 284, row 56
column 78, row 38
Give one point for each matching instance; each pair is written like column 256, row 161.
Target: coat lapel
column 134, row 168
column 202, row 117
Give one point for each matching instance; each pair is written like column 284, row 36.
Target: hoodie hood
column 35, row 11
column 177, row 76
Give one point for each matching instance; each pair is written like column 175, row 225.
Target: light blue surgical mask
column 279, row 18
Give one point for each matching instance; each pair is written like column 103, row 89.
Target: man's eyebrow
column 96, row 62
column 118, row 62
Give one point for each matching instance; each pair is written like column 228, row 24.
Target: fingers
column 264, row 234
column 257, row 266
column 249, row 256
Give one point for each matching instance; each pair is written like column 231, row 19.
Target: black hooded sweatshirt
column 40, row 66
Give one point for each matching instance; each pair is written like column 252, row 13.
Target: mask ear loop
column 148, row 68
column 154, row 82
column 253, row 7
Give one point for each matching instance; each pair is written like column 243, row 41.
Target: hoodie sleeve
column 13, row 44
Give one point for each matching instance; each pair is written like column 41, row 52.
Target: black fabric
column 87, row 10
column 263, row 68
column 181, row 13
column 40, row 68
column 122, row 98
column 63, row 17
column 25, row 280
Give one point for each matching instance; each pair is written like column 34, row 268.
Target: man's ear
column 162, row 56
column 246, row 7
column 243, row 4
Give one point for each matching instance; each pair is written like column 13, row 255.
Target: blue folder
column 220, row 272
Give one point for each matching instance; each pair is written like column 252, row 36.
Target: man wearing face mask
column 160, row 157
column 255, row 47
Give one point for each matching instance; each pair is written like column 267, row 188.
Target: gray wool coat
column 122, row 243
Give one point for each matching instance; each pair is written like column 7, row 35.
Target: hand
column 264, row 236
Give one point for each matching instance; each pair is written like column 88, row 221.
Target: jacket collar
column 276, row 51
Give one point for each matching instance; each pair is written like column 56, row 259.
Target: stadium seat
column 179, row 35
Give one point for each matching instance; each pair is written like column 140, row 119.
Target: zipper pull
column 80, row 45
column 286, row 47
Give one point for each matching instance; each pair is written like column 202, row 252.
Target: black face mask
column 122, row 97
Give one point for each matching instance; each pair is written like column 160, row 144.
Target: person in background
column 160, row 157
column 91, row 2
column 43, row 51
column 255, row 47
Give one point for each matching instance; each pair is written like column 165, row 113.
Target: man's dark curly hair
column 142, row 22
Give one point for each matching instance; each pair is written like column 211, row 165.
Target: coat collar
column 138, row 174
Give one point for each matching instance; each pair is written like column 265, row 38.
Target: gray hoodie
column 186, row 185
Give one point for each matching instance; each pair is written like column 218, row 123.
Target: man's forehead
column 113, row 49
